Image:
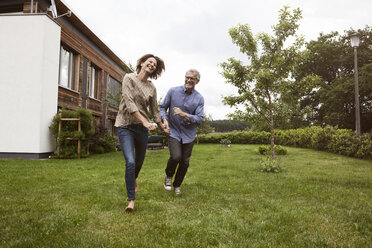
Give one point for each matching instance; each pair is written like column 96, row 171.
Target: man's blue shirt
column 190, row 103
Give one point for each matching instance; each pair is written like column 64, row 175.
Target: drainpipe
column 32, row 6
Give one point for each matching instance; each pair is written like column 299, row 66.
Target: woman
column 138, row 95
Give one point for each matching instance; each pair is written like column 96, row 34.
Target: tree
column 331, row 101
column 261, row 83
column 228, row 125
column 114, row 99
column 204, row 127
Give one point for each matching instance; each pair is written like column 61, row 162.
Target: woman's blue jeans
column 133, row 142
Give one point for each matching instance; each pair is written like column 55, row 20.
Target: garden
column 319, row 199
column 311, row 187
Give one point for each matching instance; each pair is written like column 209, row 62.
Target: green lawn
column 319, row 200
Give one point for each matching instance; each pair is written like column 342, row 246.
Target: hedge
column 331, row 139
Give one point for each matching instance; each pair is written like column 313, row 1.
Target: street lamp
column 354, row 38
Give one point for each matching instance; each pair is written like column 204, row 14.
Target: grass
column 319, row 200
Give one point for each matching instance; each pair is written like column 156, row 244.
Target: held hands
column 143, row 120
column 152, row 126
column 149, row 126
column 165, row 126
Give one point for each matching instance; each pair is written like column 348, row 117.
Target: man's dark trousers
column 179, row 155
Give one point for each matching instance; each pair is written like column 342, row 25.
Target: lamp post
column 354, row 38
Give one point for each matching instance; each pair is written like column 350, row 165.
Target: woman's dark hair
column 160, row 67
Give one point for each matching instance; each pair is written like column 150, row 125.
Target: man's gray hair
column 195, row 71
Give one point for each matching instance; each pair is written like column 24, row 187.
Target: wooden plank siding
column 73, row 100
column 87, row 48
column 37, row 7
column 73, row 40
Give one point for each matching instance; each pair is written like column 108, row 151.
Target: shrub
column 344, row 142
column 237, row 137
column 265, row 150
column 225, row 141
column 365, row 148
column 69, row 129
column 267, row 164
column 97, row 149
column 102, row 139
column 279, row 150
column 331, row 139
column 108, row 143
column 322, row 137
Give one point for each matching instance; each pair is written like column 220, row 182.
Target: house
column 50, row 60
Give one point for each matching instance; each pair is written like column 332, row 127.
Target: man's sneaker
column 167, row 183
column 177, row 190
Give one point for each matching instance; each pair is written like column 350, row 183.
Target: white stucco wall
column 29, row 65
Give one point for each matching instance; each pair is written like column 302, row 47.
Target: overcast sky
column 194, row 33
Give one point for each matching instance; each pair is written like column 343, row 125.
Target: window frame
column 94, row 81
column 113, row 90
column 72, row 68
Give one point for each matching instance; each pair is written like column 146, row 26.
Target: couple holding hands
column 181, row 111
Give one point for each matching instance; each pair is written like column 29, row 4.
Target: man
column 186, row 112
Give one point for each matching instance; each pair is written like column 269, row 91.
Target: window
column 93, row 81
column 111, row 127
column 67, row 69
column 114, row 92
